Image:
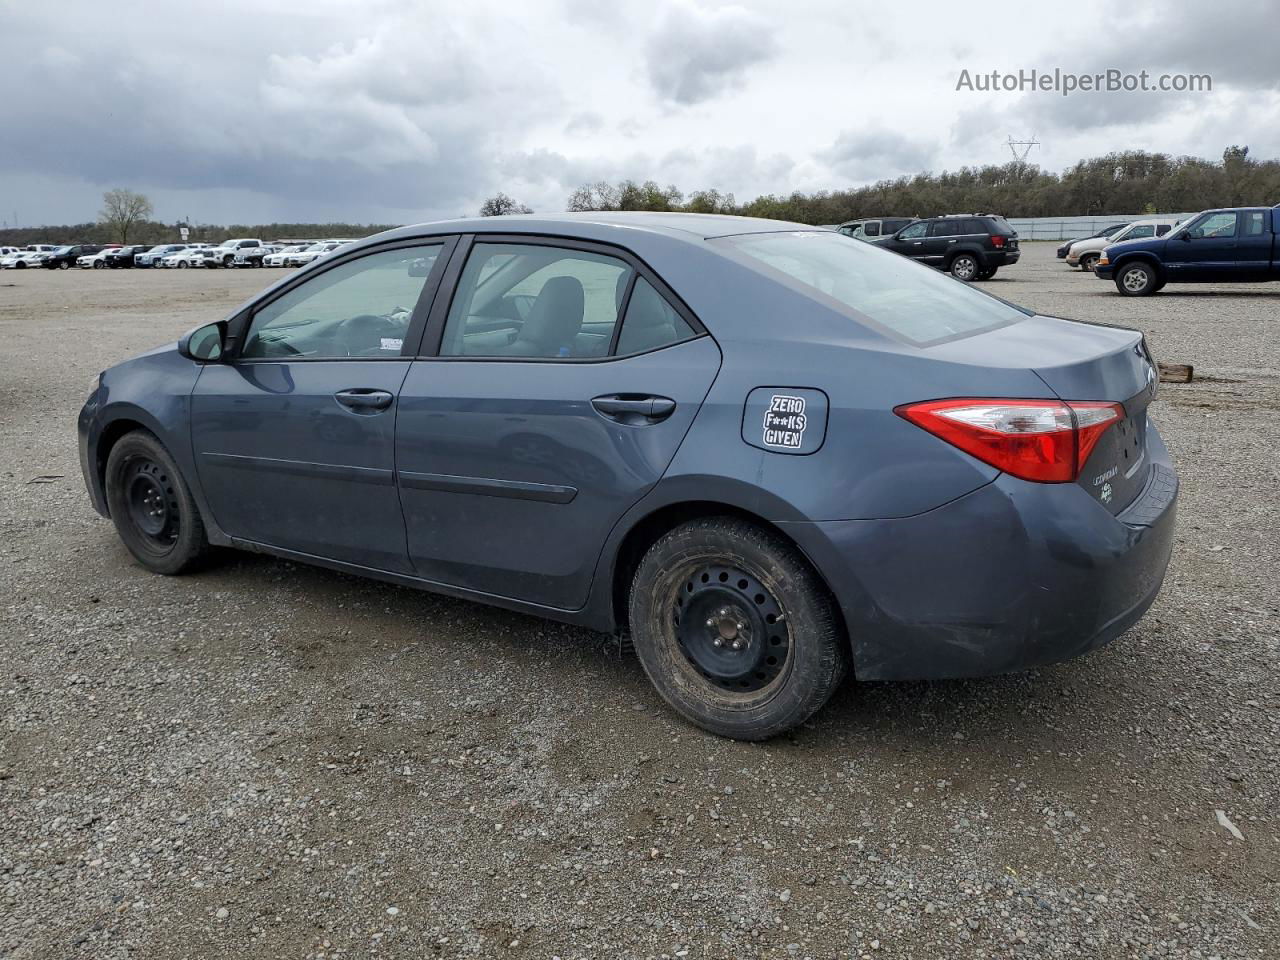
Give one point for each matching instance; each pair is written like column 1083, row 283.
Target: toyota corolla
column 768, row 453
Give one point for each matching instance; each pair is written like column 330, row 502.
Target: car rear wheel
column 152, row 507
column 964, row 267
column 1087, row 262
column 734, row 629
column 64, row 265
column 182, row 264
column 1136, row 280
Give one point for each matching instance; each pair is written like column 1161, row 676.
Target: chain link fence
column 1066, row 228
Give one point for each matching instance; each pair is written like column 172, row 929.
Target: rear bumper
column 1001, row 258
column 1012, row 576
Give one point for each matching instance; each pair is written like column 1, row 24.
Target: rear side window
column 539, row 301
column 1254, row 222
column 871, row 229
column 944, row 228
column 875, row 286
column 650, row 322
column 1162, row 229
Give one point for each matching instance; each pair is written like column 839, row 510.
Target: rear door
column 535, row 419
column 294, row 437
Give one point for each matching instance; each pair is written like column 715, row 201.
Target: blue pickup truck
column 1237, row 245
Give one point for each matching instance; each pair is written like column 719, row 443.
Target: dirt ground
column 268, row 760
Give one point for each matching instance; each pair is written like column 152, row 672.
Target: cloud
column 877, row 153
column 695, row 54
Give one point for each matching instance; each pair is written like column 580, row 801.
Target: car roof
column 608, row 226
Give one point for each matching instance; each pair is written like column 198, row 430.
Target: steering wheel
column 367, row 325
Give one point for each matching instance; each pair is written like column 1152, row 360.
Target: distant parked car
column 95, row 261
column 63, row 258
column 253, row 256
column 1104, row 232
column 225, row 252
column 279, row 258
column 153, row 256
column 871, row 228
column 1085, row 253
column 1231, row 245
column 968, row 246
column 29, row 256
column 302, row 257
column 191, row 257
column 125, row 256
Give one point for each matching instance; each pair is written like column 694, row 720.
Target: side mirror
column 1185, row 236
column 204, row 344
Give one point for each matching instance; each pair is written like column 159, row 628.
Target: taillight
column 997, row 241
column 1047, row 441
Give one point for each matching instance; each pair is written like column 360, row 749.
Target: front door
column 542, row 419
column 911, row 242
column 294, row 436
column 1206, row 250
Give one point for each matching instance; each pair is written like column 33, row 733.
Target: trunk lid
column 1120, row 371
column 1082, row 362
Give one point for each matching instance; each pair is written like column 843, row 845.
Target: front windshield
column 879, row 287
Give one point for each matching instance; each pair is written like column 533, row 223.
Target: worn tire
column 807, row 630
column 1130, row 284
column 964, row 266
column 139, row 462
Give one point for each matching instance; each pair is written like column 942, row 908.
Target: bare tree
column 122, row 210
column 500, row 205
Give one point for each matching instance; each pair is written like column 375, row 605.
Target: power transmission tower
column 1020, row 148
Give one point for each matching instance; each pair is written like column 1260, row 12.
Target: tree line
column 1131, row 181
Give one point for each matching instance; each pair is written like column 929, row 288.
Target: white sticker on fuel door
column 784, row 422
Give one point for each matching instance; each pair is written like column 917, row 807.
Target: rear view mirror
column 204, row 344
column 420, row 267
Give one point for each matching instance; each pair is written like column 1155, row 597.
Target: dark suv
column 124, row 256
column 969, row 246
column 64, row 258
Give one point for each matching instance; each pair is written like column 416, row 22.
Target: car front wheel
column 964, row 267
column 734, row 629
column 1136, row 280
column 152, row 507
column 1087, row 262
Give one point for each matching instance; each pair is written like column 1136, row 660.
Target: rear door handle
column 634, row 409
column 364, row 399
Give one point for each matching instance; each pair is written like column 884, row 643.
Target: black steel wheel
column 734, row 628
column 731, row 628
column 151, row 505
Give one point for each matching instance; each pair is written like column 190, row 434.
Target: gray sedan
column 768, row 453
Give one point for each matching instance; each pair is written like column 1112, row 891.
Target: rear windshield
column 880, row 288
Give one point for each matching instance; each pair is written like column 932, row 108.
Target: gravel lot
column 267, row 760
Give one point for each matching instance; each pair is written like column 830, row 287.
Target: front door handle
column 364, row 399
column 634, row 409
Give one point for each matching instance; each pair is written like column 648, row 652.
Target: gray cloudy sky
column 311, row 110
